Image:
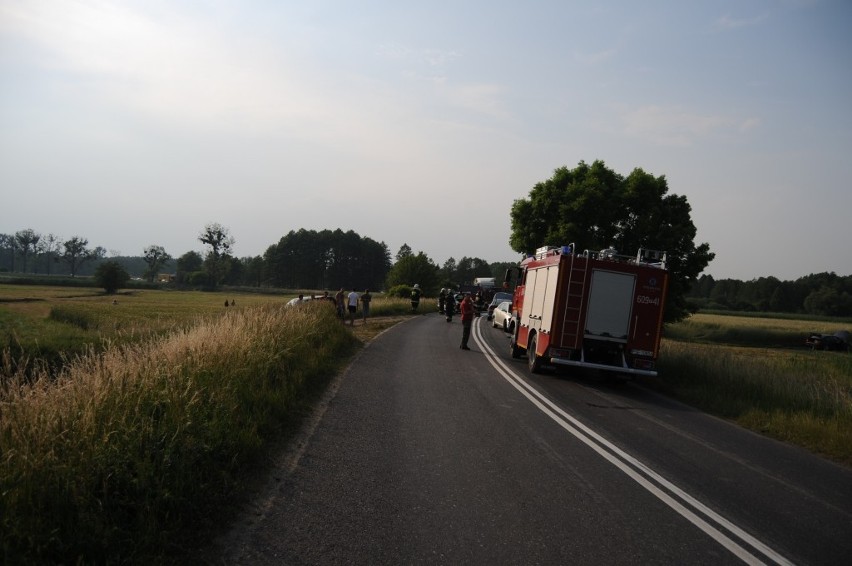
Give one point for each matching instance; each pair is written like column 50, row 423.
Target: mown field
column 127, row 423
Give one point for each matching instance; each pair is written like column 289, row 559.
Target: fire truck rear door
column 610, row 304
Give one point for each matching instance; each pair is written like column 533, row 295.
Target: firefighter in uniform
column 479, row 303
column 415, row 297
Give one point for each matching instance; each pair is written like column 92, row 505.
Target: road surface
column 428, row 454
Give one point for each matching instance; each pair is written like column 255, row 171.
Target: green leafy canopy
column 594, row 207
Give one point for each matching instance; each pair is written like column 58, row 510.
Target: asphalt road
column 427, row 454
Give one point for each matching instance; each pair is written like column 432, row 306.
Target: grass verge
column 800, row 397
column 126, row 448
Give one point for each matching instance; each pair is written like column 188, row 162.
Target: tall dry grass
column 124, row 448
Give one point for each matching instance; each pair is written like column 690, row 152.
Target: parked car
column 499, row 297
column 502, row 317
column 839, row 341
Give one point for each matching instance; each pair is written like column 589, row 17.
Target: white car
column 502, row 317
column 299, row 300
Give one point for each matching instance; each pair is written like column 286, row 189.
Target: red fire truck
column 593, row 309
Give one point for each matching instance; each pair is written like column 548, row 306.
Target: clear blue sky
column 133, row 123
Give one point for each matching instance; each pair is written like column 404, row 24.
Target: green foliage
column 414, row 269
column 197, row 279
column 464, row 271
column 307, row 259
column 401, row 291
column 77, row 252
column 821, row 294
column 595, row 208
column 111, row 276
column 155, row 257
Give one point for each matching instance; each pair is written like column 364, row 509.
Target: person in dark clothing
column 450, row 306
column 340, row 300
column 366, row 297
column 479, row 303
column 467, row 319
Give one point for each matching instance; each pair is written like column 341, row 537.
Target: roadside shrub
column 111, row 276
column 401, row 291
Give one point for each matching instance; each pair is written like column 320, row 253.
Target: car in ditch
column 839, row 341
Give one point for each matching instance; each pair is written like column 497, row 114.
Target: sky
column 137, row 123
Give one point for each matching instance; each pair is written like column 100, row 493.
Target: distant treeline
column 825, row 294
column 302, row 259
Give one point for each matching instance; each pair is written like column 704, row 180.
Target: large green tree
column 111, row 276
column 594, row 208
column 27, row 241
column 414, row 269
column 187, row 264
column 218, row 238
column 307, row 259
column 156, row 257
column 77, row 252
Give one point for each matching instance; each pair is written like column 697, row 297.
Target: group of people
column 348, row 304
column 347, row 307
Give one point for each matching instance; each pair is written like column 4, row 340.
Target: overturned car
column 839, row 341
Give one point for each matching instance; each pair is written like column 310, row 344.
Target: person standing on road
column 450, row 305
column 353, row 306
column 415, row 297
column 467, row 320
column 365, row 304
column 479, row 303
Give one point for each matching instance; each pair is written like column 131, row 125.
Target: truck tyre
column 514, row 349
column 533, row 359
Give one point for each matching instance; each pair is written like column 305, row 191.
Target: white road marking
column 683, row 503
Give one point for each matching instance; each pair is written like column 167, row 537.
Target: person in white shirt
column 353, row 306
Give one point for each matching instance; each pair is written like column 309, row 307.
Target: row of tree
column 27, row 251
column 302, row 259
column 826, row 294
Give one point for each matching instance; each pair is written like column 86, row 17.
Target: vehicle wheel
column 533, row 359
column 514, row 350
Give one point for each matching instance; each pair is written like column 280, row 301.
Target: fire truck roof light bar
column 653, row 258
